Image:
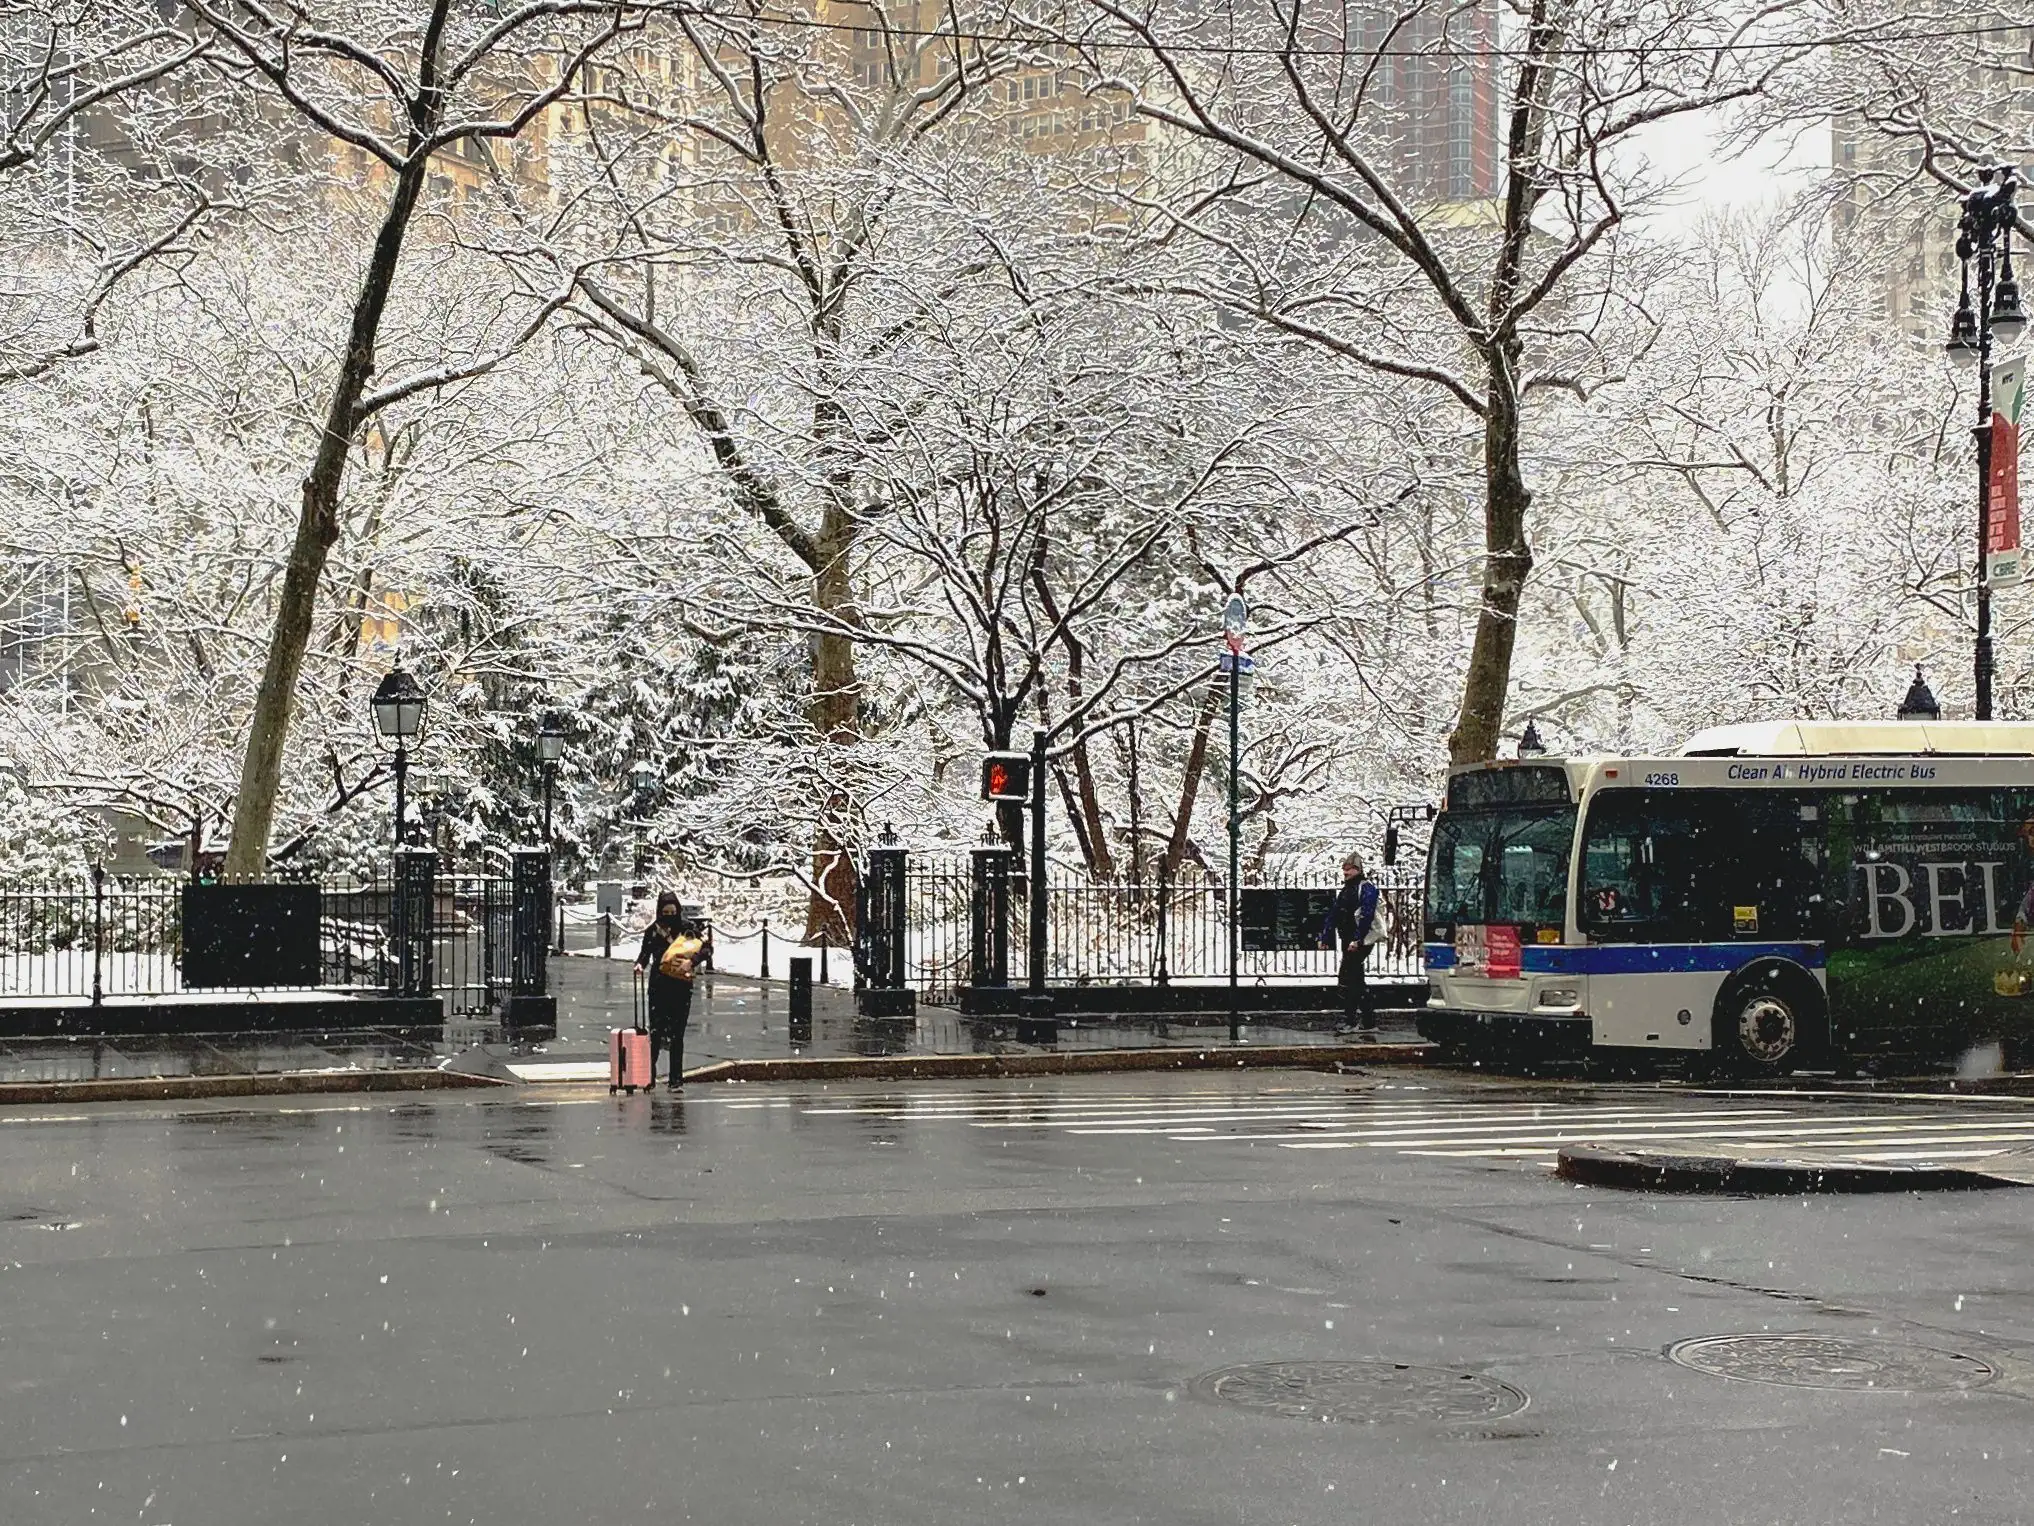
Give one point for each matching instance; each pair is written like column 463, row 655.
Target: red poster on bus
column 1500, row 946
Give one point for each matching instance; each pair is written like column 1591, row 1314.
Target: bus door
column 1682, row 887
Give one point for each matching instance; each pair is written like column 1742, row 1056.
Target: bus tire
column 1768, row 1020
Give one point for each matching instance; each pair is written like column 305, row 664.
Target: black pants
column 1356, row 1006
column 670, row 1011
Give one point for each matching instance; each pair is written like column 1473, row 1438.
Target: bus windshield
column 1504, row 866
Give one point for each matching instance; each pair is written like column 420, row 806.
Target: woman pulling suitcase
column 670, row 955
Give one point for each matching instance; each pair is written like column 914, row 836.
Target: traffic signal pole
column 1038, row 1024
column 1035, row 954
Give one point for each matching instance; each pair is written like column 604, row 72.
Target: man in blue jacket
column 1351, row 924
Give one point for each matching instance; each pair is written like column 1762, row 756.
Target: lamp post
column 642, row 777
column 1985, row 231
column 1530, row 744
column 550, row 748
column 399, row 717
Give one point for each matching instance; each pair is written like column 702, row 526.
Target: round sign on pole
column 1235, row 615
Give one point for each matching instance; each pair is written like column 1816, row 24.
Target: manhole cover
column 1825, row 1361
column 1361, row 1393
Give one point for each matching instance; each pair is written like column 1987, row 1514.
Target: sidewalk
column 740, row 1017
column 735, row 1016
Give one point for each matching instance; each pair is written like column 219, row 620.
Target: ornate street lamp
column 1984, row 231
column 1529, row 743
column 643, row 776
column 398, row 704
column 550, row 749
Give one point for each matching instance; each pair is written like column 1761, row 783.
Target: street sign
column 1242, row 662
column 1235, row 615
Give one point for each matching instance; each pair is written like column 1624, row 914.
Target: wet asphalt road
column 984, row 1303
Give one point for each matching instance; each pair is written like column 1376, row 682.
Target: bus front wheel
column 1767, row 1021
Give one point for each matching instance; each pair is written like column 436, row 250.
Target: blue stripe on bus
column 1642, row 958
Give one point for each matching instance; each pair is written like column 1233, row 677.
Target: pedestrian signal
column 1006, row 776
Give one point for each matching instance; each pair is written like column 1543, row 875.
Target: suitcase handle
column 642, row 1007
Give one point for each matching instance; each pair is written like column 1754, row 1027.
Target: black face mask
column 667, row 916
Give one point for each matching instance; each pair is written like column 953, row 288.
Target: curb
column 287, row 1083
column 1661, row 1171
column 960, row 1067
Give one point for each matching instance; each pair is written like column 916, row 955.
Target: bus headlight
column 1558, row 996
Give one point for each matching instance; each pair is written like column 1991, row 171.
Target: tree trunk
column 1190, row 785
column 318, row 517
column 836, row 716
column 1507, row 559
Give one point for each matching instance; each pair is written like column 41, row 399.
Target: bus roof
column 1793, row 739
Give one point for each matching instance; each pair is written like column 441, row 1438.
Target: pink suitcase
column 628, row 1060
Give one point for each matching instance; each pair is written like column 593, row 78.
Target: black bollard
column 765, row 971
column 823, row 977
column 607, row 935
column 801, row 1001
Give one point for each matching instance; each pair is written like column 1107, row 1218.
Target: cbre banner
column 2003, row 565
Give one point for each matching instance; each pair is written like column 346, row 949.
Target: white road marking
column 1495, row 1129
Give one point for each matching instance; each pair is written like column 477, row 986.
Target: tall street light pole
column 550, row 749
column 1235, row 618
column 1985, row 231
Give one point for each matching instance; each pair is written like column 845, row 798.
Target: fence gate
column 472, row 943
column 938, row 930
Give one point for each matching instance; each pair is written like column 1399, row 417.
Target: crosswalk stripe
column 1747, row 1116
column 1511, row 1128
column 1312, row 1118
column 1496, row 1128
column 1746, row 1140
column 1180, row 1105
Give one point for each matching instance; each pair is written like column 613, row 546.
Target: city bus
column 1776, row 896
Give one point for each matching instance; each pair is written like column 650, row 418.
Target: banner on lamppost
column 2003, row 561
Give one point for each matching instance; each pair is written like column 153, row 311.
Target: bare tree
column 796, row 150
column 1338, row 220
column 402, row 88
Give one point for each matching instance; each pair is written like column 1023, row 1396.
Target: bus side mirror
column 1390, row 846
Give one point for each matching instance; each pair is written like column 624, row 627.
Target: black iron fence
column 1159, row 931
column 128, row 937
column 472, row 939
